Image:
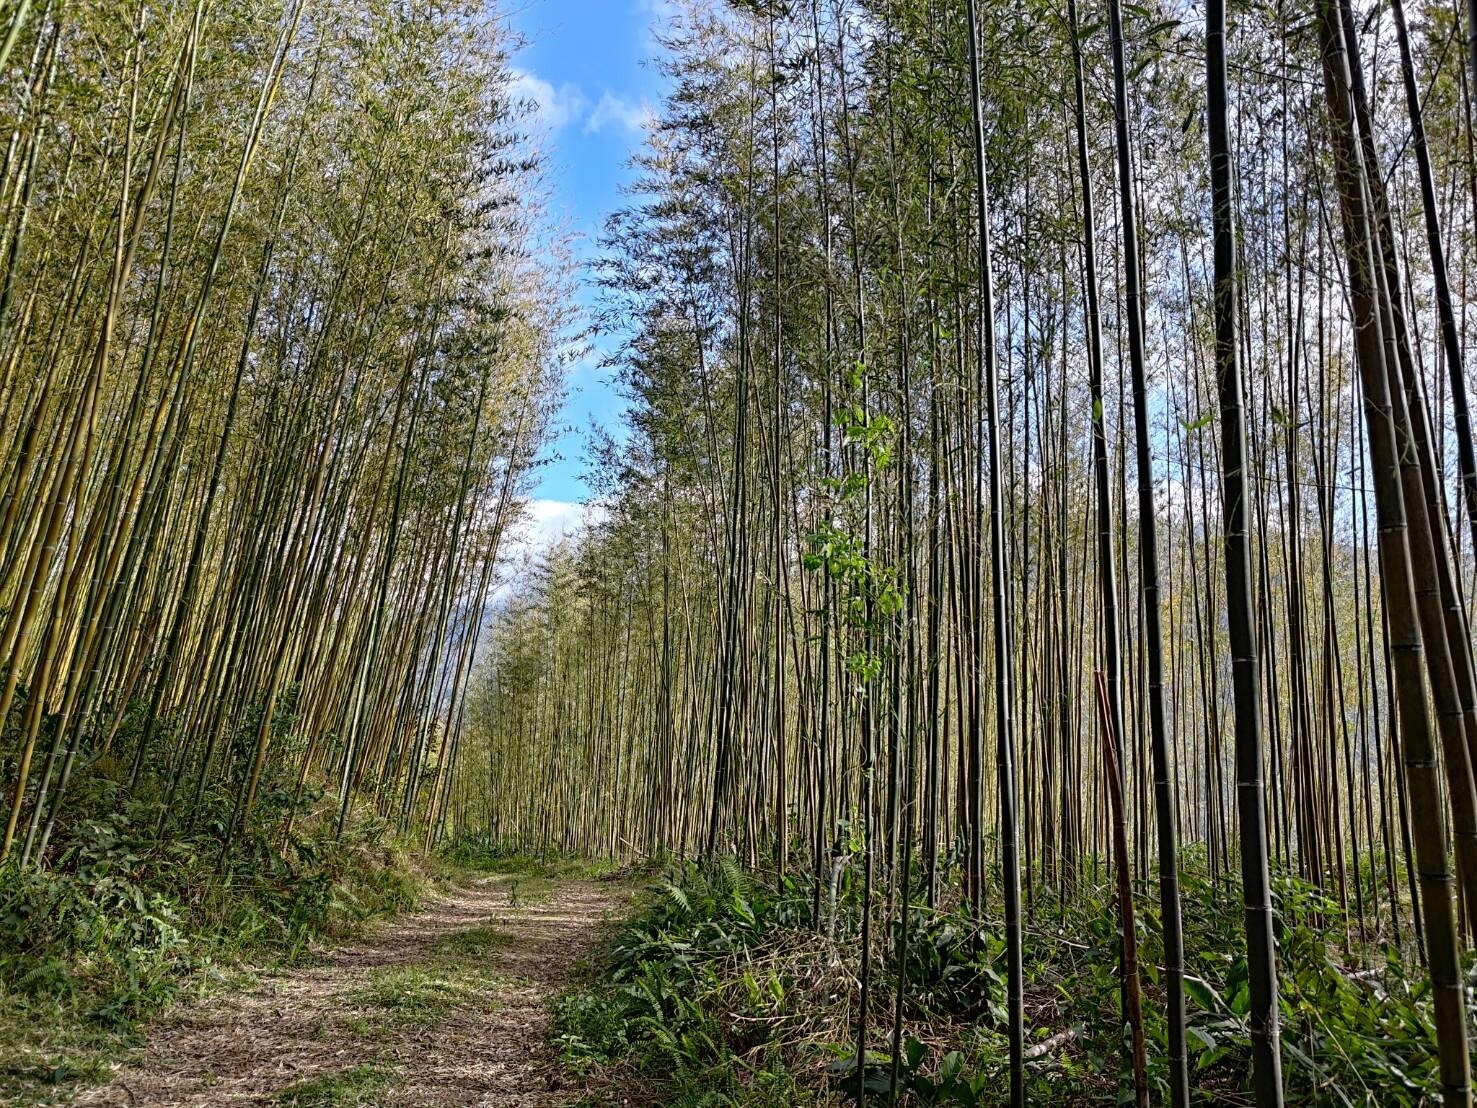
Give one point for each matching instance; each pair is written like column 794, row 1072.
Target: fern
column 735, row 880
column 678, row 898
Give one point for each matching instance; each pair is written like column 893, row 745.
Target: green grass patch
column 422, row 994
column 40, row 1068
column 480, row 941
column 525, row 890
column 358, row 1085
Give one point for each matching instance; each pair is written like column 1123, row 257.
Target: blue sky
column 587, row 64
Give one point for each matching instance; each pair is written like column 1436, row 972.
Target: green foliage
column 1356, row 1023
column 951, row 964
column 687, row 991
column 662, row 1006
column 1350, row 1036
column 950, row 1083
column 869, row 592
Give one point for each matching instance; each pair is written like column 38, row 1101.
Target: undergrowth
column 135, row 906
column 722, row 992
column 677, row 1005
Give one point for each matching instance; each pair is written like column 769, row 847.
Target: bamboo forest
column 1013, row 644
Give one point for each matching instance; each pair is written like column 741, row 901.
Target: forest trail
column 444, row 1007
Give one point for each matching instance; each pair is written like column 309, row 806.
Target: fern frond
column 675, row 894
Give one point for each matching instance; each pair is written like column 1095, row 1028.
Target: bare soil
column 444, row 1007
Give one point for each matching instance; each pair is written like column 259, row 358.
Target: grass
column 671, row 1005
column 421, row 994
column 357, row 1085
column 46, row 1050
column 41, row 1067
column 472, row 942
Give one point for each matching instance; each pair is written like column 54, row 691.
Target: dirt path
column 445, row 1007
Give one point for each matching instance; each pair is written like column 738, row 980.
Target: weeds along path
column 444, row 1007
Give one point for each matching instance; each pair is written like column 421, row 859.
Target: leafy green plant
column 687, row 991
column 665, row 1000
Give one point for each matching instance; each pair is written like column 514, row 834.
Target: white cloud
column 545, row 523
column 660, row 15
column 617, row 110
column 554, row 108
